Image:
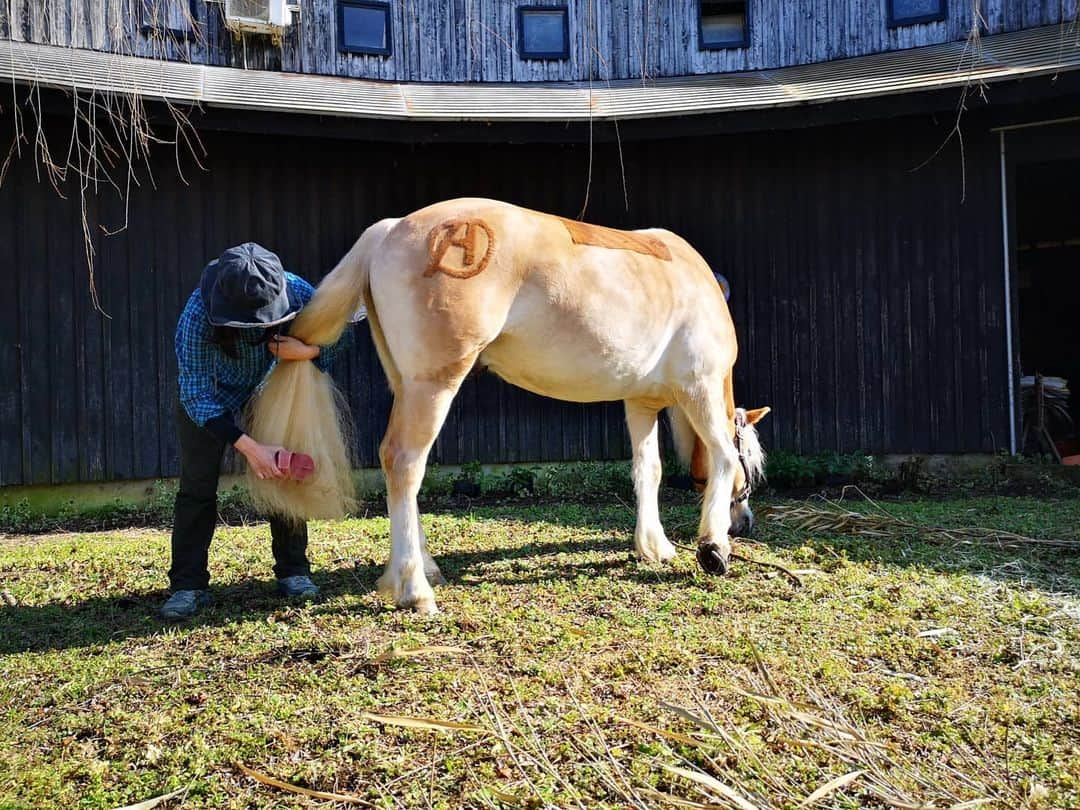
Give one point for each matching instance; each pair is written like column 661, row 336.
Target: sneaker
column 298, row 586
column 182, row 605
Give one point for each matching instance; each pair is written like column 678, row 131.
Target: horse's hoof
column 711, row 559
column 435, row 578
column 652, row 550
column 386, row 587
column 423, row 605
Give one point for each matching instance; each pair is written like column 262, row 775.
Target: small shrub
column 18, row 517
column 436, row 484
column 592, row 479
column 785, row 470
column 519, row 482
column 467, row 481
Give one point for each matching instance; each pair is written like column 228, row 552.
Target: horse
column 559, row 307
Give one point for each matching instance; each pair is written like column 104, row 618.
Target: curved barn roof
column 1033, row 52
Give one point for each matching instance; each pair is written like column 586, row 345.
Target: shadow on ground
column 102, row 620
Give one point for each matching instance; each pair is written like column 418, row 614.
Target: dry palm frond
column 421, row 723
column 670, row 735
column 302, row 791
column 825, row 516
column 715, row 786
column 417, row 652
column 157, row 801
column 853, row 762
column 829, row 787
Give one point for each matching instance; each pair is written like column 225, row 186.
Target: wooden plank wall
column 476, row 40
column 867, row 296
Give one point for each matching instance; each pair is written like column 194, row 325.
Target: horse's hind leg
column 650, row 542
column 707, row 410
column 418, row 413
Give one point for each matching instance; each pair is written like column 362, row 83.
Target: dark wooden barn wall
column 475, row 40
column 867, row 297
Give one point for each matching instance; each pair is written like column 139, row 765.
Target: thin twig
column 765, row 564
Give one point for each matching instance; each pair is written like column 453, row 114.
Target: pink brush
column 298, row 466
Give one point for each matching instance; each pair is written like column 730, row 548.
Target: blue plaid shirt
column 212, row 384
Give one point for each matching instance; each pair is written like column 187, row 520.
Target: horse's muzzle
column 743, row 527
column 711, row 558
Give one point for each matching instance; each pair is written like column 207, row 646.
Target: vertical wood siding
column 867, row 297
column 476, row 40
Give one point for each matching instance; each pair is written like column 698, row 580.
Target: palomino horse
column 558, row 307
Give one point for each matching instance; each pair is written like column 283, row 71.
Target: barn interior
column 1048, row 281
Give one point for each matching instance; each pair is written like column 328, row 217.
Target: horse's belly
column 562, row 360
column 554, row 377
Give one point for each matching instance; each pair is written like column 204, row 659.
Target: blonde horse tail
column 683, row 434
column 393, row 376
column 301, row 409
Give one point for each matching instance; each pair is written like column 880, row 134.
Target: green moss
column 558, row 634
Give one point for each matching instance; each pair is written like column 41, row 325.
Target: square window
column 910, row 12
column 543, row 32
column 175, row 17
column 364, row 26
column 723, row 24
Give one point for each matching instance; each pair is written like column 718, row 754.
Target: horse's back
column 568, row 310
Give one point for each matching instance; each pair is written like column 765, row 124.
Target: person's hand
column 284, row 347
column 260, row 457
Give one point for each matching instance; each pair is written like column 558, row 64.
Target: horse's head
column 749, row 472
column 712, row 552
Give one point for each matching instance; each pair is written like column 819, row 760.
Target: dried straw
column 849, row 760
column 824, row 516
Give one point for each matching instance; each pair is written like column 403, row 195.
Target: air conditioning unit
column 258, row 16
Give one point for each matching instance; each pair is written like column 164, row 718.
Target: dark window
column 723, row 24
column 174, row 17
column 364, row 26
column 543, row 32
column 909, row 12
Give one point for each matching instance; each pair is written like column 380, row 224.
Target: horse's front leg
column 650, row 542
column 431, row 568
column 707, row 412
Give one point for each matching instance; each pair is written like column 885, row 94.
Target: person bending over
column 232, row 330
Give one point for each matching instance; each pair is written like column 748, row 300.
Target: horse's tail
column 301, row 409
column 683, row 434
column 689, row 448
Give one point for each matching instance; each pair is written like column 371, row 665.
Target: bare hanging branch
column 971, row 56
column 107, row 147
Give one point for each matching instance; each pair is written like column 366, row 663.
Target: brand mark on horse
column 460, row 247
column 584, row 233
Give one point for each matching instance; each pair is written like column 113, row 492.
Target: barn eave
column 1044, row 51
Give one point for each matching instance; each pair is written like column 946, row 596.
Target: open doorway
column 1048, row 281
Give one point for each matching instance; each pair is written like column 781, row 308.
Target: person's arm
column 195, row 361
column 260, row 457
column 289, row 348
column 284, row 347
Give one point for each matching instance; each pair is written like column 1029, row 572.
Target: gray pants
column 196, row 514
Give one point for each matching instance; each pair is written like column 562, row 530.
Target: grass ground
column 901, row 674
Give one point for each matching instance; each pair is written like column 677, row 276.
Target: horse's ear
column 756, row 415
